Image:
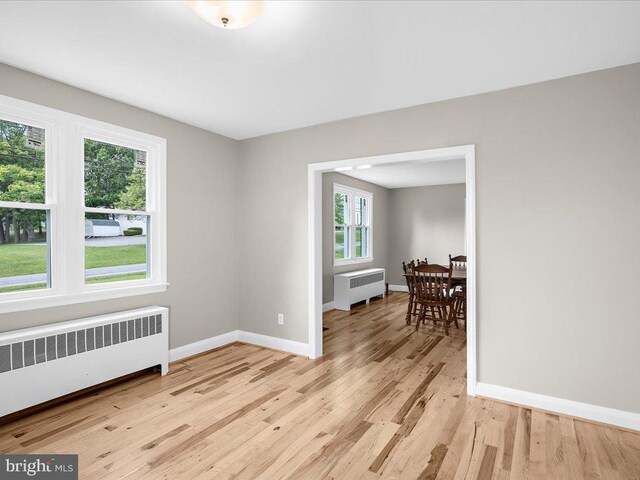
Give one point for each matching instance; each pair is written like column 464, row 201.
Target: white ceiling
column 305, row 63
column 414, row 174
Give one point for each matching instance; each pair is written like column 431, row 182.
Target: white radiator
column 42, row 363
column 352, row 287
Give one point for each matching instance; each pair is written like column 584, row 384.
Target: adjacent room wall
column 424, row 222
column 380, row 228
column 201, row 177
column 558, row 208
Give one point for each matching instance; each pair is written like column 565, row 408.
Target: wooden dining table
column 458, row 275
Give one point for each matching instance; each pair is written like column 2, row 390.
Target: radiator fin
column 16, row 356
column 5, row 358
column 53, row 347
column 62, row 345
column 99, row 338
column 71, row 343
column 81, row 341
column 115, row 333
column 29, row 353
column 91, row 339
column 41, row 356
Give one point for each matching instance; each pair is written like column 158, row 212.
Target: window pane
column 115, row 248
column 21, row 163
column 341, row 242
column 341, row 209
column 114, row 176
column 361, row 211
column 24, row 250
column 362, row 242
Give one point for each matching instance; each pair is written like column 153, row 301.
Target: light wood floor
column 385, row 401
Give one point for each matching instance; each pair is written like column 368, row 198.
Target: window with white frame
column 82, row 209
column 352, row 224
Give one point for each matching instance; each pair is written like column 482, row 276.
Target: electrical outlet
column 280, row 319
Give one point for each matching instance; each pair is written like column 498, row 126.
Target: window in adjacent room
column 352, row 227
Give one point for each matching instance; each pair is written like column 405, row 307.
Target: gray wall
column 380, row 228
column 202, row 177
column 424, row 222
column 558, row 223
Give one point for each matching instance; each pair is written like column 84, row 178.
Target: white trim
column 116, row 211
column 43, row 298
column 354, row 261
column 25, row 205
column 64, row 163
column 470, row 246
column 399, row 288
column 276, row 343
column 257, row 339
column 328, row 306
column 314, row 204
column 202, row 346
column 596, row 413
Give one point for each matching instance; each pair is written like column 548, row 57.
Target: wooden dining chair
column 412, row 306
column 460, row 304
column 459, row 288
column 431, row 286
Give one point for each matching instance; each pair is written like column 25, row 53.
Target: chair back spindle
column 459, row 262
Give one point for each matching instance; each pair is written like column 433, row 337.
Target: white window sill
column 340, row 263
column 52, row 299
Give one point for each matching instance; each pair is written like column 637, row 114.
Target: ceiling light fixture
column 227, row 14
column 343, row 169
column 363, row 167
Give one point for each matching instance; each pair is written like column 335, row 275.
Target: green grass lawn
column 22, row 288
column 339, row 245
column 339, row 253
column 27, row 259
column 95, row 257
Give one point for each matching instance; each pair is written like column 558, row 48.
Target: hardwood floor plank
column 488, row 463
column 166, row 436
column 435, row 462
column 399, row 417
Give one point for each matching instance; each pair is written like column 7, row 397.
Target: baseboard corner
column 328, row 306
column 275, row 343
column 399, row 288
column 202, row 346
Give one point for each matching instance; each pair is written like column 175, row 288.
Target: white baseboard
column 610, row 416
column 207, row 344
column 399, row 288
column 203, row 346
column 328, row 306
column 277, row 343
